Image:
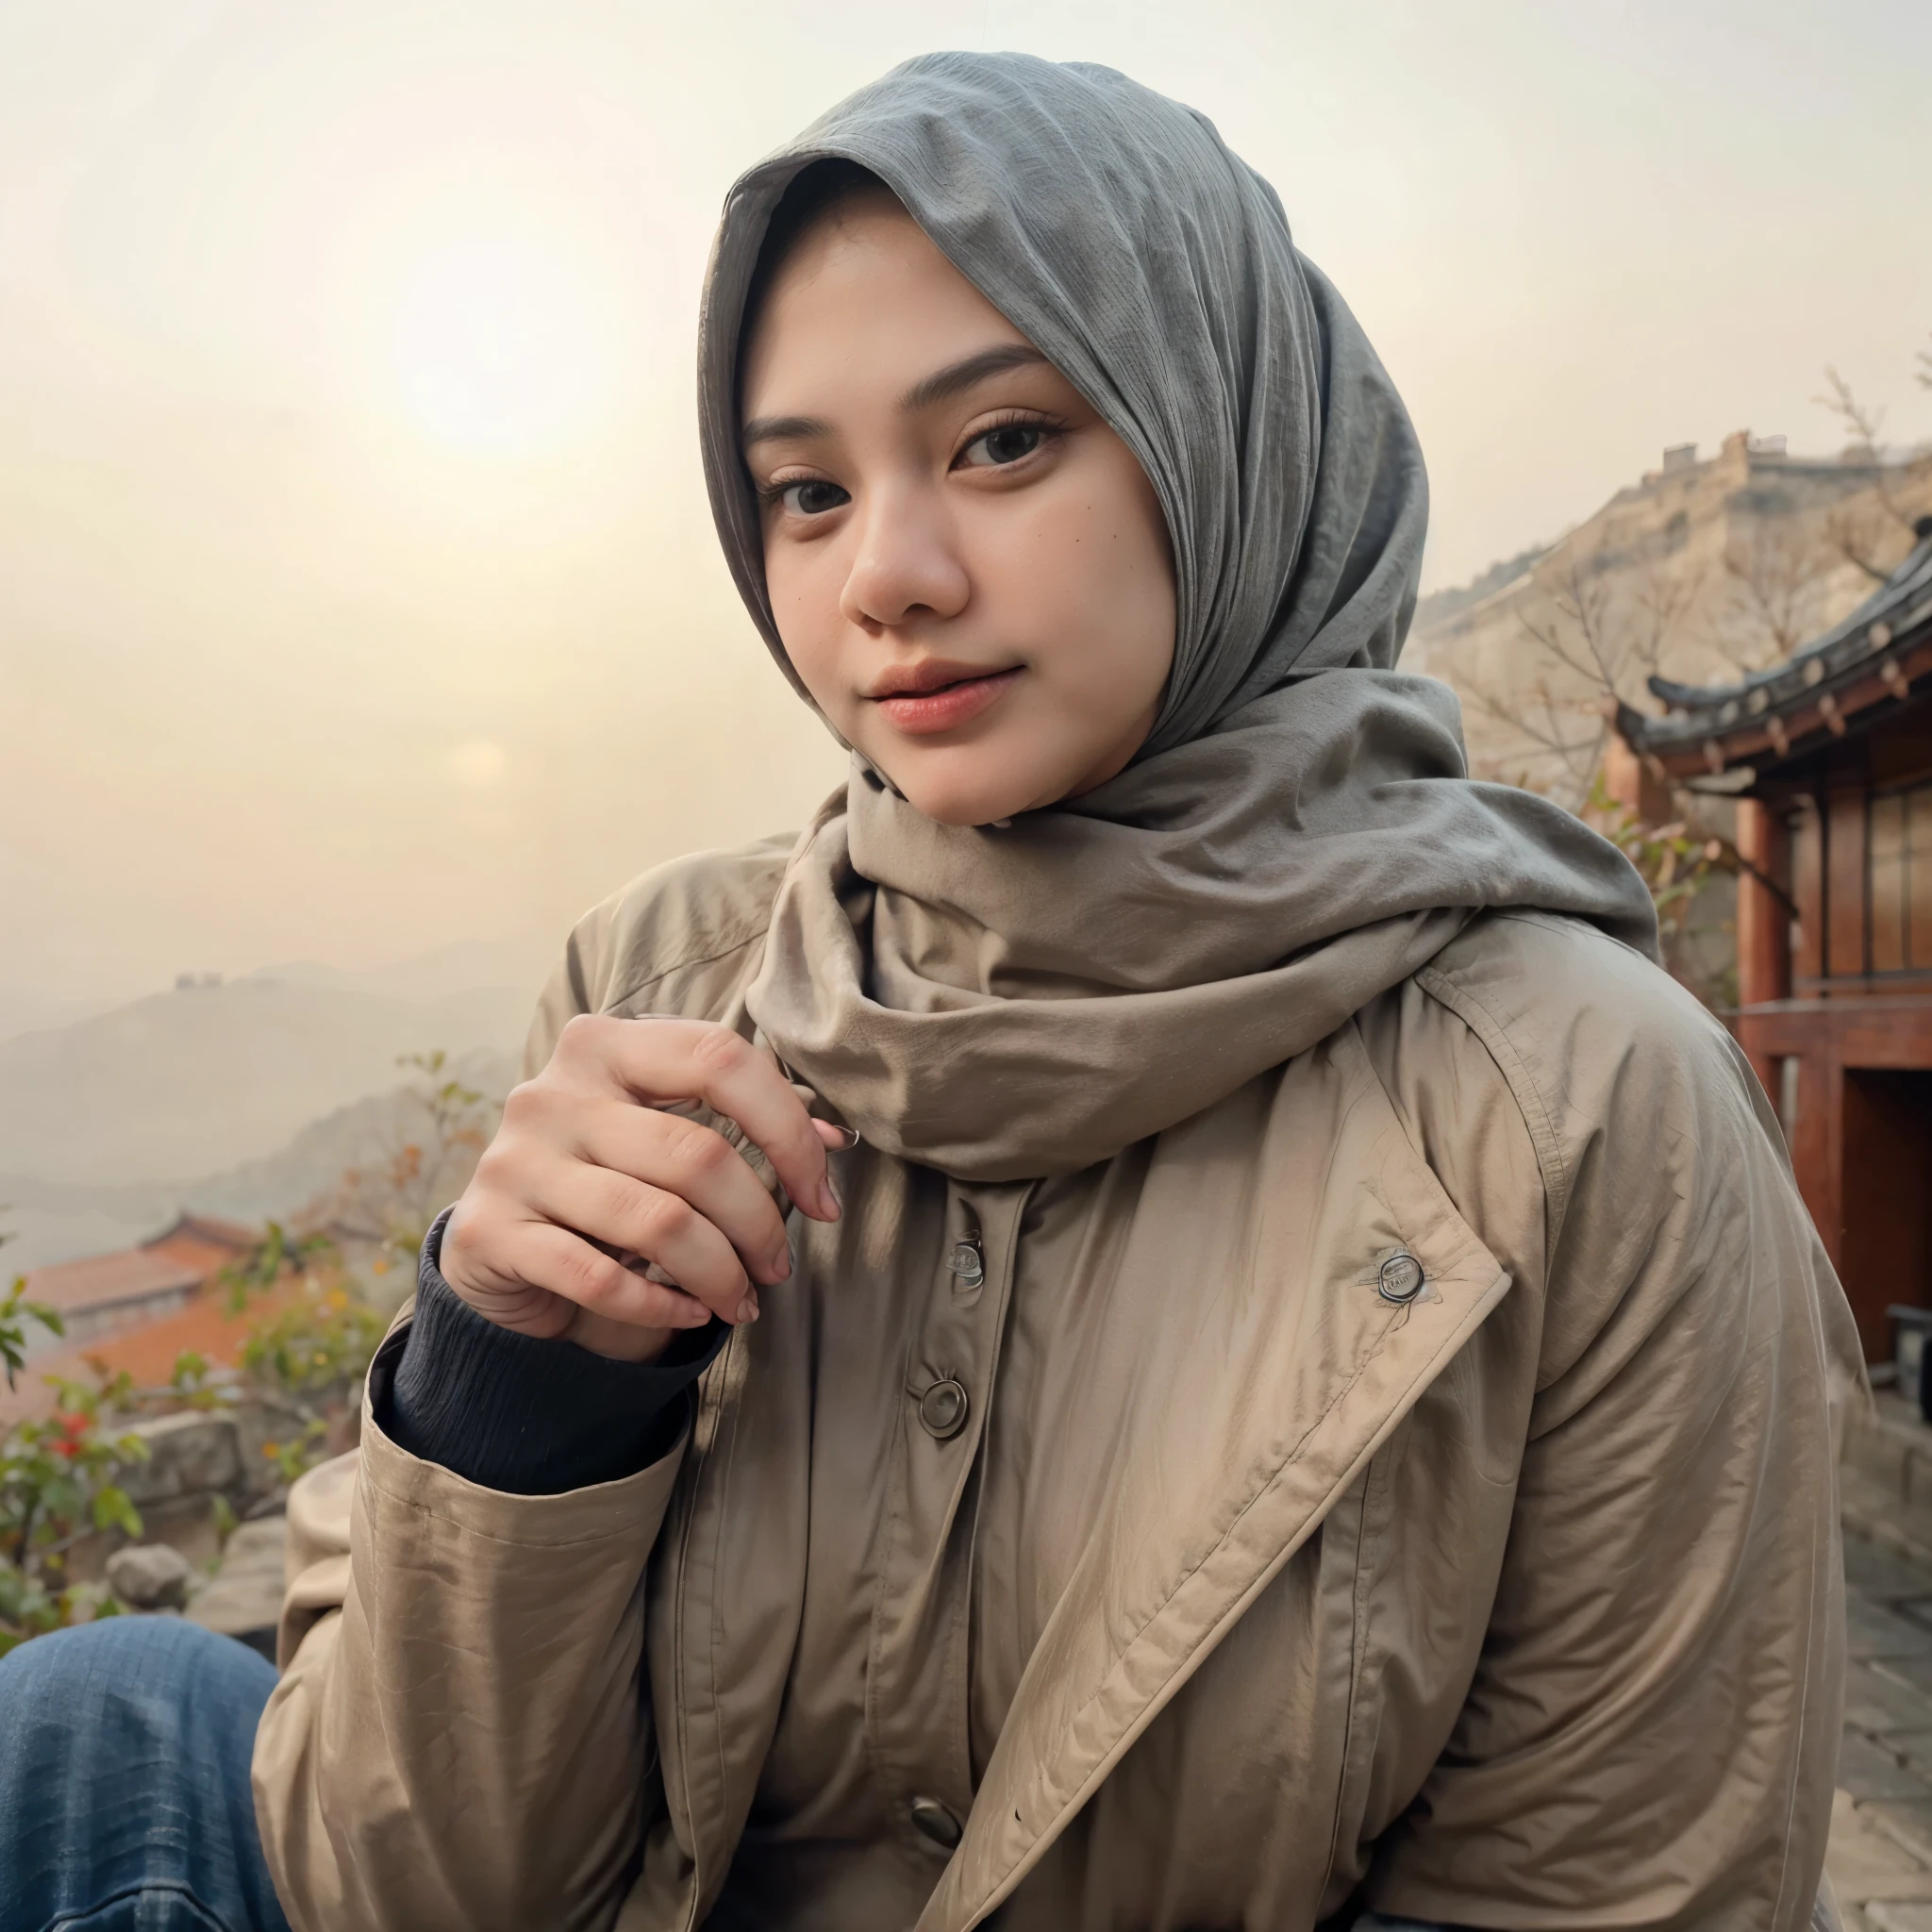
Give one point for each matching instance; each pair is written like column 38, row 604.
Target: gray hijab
column 1299, row 832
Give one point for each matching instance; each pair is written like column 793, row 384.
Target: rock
column 149, row 1577
column 190, row 1455
column 244, row 1601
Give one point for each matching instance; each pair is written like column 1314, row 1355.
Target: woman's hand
column 587, row 1155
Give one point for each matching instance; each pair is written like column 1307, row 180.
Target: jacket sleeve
column 1652, row 1733
column 531, row 1417
column 459, row 1737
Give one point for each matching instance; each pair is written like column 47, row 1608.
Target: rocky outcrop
column 150, row 1576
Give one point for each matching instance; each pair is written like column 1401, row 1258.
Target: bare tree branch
column 1859, row 538
column 1775, row 576
column 1861, row 423
column 1595, row 643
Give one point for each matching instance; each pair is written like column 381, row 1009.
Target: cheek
column 804, row 588
column 1093, row 565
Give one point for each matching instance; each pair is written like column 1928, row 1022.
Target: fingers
column 659, row 1061
column 526, row 1273
column 584, row 1190
column 698, row 1165
column 658, row 1225
column 563, row 1263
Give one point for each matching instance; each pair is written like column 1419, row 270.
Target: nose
column 906, row 562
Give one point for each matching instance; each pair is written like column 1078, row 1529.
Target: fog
column 357, row 589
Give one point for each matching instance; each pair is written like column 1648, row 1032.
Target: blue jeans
column 124, row 1804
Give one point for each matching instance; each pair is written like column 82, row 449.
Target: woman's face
column 969, row 568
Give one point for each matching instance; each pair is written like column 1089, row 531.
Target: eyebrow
column 784, row 429
column 940, row 386
column 944, row 384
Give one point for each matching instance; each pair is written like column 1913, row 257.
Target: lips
column 925, row 699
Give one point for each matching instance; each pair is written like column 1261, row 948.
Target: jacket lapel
column 1276, row 1366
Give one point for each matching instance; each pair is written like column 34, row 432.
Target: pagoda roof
column 1858, row 667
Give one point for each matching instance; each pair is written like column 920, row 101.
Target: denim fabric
column 124, row 1804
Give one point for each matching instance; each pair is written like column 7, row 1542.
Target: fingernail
column 780, row 1264
column 747, row 1309
column 851, row 1138
column 829, row 1201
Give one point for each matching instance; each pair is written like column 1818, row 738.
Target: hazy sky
column 357, row 592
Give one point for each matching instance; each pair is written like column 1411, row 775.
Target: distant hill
column 190, row 1083
column 55, row 1221
column 30, row 1010
column 246, row 1098
column 463, row 966
column 361, row 1134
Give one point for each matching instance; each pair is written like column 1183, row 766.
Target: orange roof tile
column 147, row 1353
column 99, row 1281
column 204, row 1242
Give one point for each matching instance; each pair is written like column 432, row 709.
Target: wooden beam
column 1635, row 782
column 1764, row 926
column 1844, row 883
column 1808, row 888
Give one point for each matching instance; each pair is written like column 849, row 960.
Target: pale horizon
column 358, row 591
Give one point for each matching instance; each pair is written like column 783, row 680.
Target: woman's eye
column 1006, row 445
column 812, row 497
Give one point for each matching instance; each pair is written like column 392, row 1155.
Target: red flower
column 74, row 1423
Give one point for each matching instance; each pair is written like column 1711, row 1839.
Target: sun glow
column 497, row 345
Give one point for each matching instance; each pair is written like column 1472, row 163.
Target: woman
column 1164, row 1322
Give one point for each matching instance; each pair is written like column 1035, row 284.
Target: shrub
column 57, row 1485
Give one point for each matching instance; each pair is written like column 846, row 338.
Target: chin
column 962, row 798
column 953, row 808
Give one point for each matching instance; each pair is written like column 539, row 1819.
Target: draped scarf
column 1299, row 833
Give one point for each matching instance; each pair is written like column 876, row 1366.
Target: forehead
column 864, row 290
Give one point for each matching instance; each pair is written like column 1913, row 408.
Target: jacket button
column 1400, row 1278
column 968, row 1263
column 932, row 1820
column 942, row 1410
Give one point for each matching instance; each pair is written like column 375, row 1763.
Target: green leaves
column 1672, row 861
column 112, row 1510
column 16, row 1311
column 57, row 1484
column 296, row 1457
column 313, row 1355
column 279, row 1253
column 195, row 1383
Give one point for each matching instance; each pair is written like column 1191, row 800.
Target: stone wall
column 205, row 1469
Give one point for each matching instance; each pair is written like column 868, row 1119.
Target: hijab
column 1299, row 832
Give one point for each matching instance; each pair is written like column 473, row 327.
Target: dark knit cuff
column 526, row 1417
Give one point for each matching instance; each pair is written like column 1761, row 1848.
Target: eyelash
column 773, row 493
column 1015, row 418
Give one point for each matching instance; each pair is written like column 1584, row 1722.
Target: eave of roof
column 98, row 1281
column 210, row 1230
column 1872, row 659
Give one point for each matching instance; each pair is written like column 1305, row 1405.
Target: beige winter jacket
column 1239, row 1595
